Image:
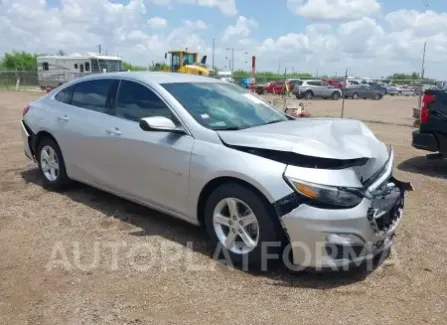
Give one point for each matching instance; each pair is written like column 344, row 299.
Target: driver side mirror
column 159, row 124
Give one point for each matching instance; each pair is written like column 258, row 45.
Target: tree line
column 25, row 61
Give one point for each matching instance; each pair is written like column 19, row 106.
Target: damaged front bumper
column 334, row 238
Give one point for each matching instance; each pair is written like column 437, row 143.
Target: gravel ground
column 49, row 241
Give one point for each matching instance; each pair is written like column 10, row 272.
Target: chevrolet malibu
column 215, row 155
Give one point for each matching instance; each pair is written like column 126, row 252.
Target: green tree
column 128, row 66
column 19, row 60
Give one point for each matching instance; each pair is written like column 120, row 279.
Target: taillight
column 426, row 101
column 25, row 110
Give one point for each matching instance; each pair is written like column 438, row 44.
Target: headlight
column 332, row 195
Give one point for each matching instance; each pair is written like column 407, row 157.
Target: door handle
column 64, row 118
column 113, row 131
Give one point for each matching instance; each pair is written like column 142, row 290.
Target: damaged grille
column 386, row 207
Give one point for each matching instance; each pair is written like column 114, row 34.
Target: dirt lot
column 38, row 229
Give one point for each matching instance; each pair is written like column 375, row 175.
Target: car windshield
column 222, row 106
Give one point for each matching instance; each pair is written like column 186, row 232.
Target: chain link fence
column 29, row 80
column 19, row 80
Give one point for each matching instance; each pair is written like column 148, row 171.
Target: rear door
column 81, row 131
column 151, row 166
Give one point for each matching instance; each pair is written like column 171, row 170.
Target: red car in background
column 334, row 83
column 273, row 87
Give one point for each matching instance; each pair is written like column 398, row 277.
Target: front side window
column 136, row 101
column 224, row 106
column 94, row 95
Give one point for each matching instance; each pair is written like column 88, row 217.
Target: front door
column 150, row 166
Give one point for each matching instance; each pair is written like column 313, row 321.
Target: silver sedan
column 213, row 154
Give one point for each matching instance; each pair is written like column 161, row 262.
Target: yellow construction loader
column 183, row 61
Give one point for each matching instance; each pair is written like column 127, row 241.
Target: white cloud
column 367, row 45
column 227, row 7
column 157, row 22
column 333, row 10
column 241, row 30
column 197, row 24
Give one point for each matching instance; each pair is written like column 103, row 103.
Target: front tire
column 335, row 95
column 309, row 95
column 355, row 96
column 240, row 223
column 51, row 165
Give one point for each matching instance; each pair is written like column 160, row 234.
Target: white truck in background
column 55, row 70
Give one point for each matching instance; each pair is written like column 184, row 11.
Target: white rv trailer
column 55, row 70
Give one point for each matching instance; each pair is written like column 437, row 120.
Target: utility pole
column 232, row 60
column 212, row 58
column 422, row 75
column 317, row 72
column 99, row 48
column 279, row 67
column 343, row 94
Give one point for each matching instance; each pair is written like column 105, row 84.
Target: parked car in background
column 393, row 90
column 334, row 83
column 378, row 87
column 158, row 139
column 363, row 91
column 316, row 88
column 407, row 91
column 432, row 133
column 292, row 83
column 245, row 82
column 273, row 87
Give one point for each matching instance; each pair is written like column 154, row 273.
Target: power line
column 432, row 12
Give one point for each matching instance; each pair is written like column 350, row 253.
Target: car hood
column 331, row 138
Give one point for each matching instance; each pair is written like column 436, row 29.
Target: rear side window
column 136, row 101
column 95, row 95
column 65, row 95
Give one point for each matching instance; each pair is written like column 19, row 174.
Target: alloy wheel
column 236, row 226
column 49, row 163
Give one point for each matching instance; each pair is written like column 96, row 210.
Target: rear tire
column 225, row 210
column 377, row 97
column 355, row 96
column 51, row 165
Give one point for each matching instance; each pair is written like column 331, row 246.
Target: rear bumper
column 27, row 140
column 425, row 141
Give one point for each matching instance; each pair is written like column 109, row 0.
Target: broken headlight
column 329, row 195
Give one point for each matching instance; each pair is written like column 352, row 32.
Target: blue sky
column 370, row 37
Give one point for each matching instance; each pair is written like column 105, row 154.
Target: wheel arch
column 218, row 181
column 40, row 136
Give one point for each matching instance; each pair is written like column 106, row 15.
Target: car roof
column 154, row 77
